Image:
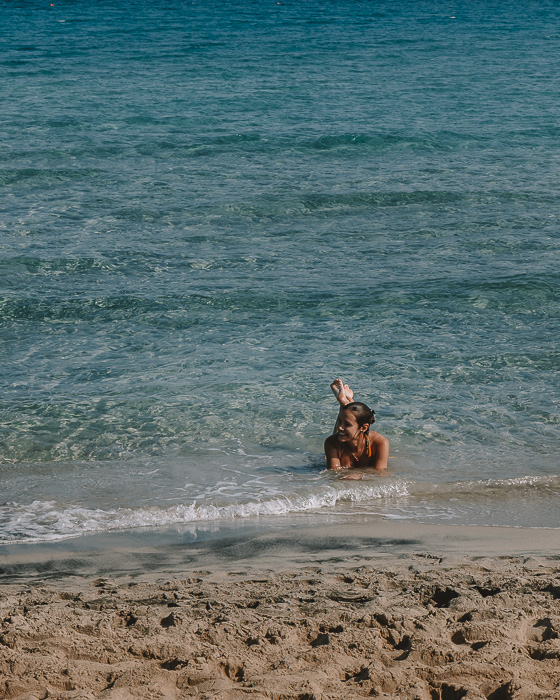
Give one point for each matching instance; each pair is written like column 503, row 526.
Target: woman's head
column 354, row 418
column 363, row 413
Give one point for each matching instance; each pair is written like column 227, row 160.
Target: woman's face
column 348, row 427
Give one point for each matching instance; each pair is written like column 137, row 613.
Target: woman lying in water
column 352, row 444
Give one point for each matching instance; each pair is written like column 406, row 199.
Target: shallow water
column 212, row 210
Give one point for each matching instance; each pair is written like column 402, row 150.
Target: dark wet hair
column 363, row 413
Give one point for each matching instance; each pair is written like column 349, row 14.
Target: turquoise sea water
column 210, row 210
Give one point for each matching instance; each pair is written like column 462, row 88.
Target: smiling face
column 348, row 428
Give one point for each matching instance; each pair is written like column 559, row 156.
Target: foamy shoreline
column 346, row 610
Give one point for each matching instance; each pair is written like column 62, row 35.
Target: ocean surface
column 210, row 210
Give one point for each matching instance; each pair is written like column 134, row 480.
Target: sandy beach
column 435, row 613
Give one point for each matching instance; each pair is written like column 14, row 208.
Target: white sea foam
column 47, row 520
column 394, row 498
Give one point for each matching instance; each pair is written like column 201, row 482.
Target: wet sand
column 346, row 610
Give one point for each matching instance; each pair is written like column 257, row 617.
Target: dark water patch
column 138, row 214
column 84, row 309
column 517, row 294
column 240, row 143
column 142, row 119
column 47, row 267
column 129, row 263
column 442, row 140
column 65, row 123
column 512, row 293
column 29, row 69
column 111, row 308
column 359, row 203
column 323, row 205
column 379, row 199
column 44, row 177
column 349, row 145
column 159, row 149
column 107, row 152
column 15, row 63
column 519, row 195
column 340, row 145
column 545, row 361
column 535, row 133
column 237, row 138
column 190, row 47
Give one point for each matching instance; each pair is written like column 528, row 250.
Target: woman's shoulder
column 377, row 438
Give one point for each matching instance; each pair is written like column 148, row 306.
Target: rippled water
column 211, row 210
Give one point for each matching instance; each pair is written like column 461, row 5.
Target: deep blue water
column 210, row 210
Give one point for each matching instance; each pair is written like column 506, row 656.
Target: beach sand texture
column 402, row 625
